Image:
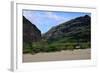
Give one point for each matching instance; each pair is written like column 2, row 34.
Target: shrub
column 70, row 47
column 27, row 48
column 85, row 45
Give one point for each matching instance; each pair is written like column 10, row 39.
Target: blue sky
column 45, row 20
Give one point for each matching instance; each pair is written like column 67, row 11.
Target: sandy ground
column 80, row 54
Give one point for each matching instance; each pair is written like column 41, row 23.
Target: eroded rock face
column 30, row 32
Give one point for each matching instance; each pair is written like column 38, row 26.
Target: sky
column 45, row 20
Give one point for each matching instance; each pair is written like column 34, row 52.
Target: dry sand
column 81, row 54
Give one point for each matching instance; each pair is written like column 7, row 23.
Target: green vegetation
column 44, row 46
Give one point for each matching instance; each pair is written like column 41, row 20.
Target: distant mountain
column 30, row 32
column 78, row 29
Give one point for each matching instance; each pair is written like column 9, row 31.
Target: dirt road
column 80, row 54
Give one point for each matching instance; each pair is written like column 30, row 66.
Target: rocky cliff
column 30, row 32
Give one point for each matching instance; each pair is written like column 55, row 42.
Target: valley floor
column 80, row 54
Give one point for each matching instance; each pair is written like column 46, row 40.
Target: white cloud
column 46, row 15
column 51, row 15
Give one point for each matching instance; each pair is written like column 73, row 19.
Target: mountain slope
column 77, row 29
column 30, row 32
